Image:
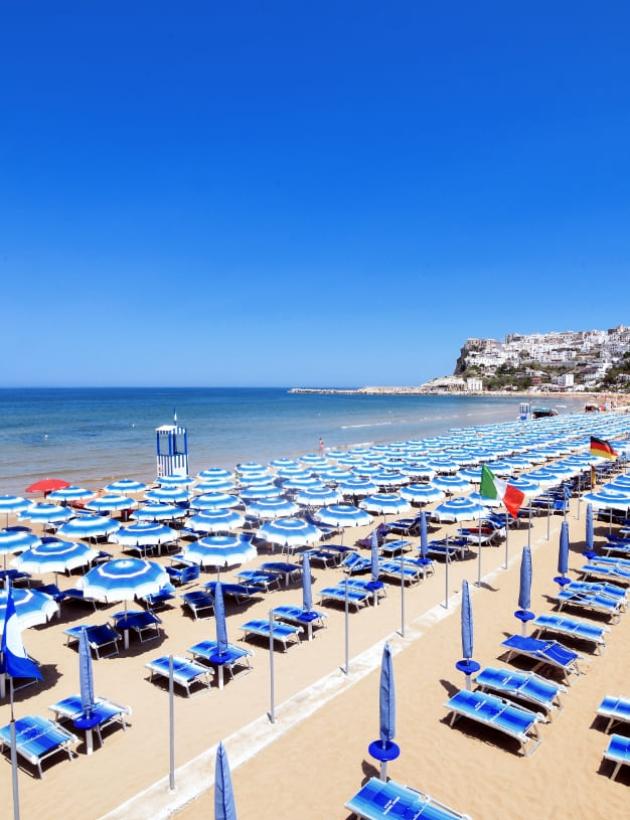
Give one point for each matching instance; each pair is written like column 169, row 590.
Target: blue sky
column 279, row 193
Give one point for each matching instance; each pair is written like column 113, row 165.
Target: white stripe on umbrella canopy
column 53, row 555
column 144, row 533
column 268, row 509
column 385, row 503
column 220, row 551
column 289, row 532
column 344, row 515
column 125, row 485
column 209, row 521
column 88, row 526
column 123, row 579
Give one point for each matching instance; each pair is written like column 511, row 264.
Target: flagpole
column 14, row 763
column 507, row 536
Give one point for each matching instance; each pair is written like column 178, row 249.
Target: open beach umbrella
column 467, row 665
column 215, row 501
column 385, row 504
column 53, row 555
column 601, row 499
column 33, row 608
column 86, row 676
column 386, row 480
column 256, row 480
column 589, row 552
column 265, row 491
column 459, row 509
column 224, row 805
column 45, row 513
column 111, row 502
column 168, row 495
column 125, row 485
column 250, row 467
column 421, row 493
column 525, row 590
column 213, row 472
column 88, row 526
column 175, row 480
column 10, row 504
column 526, row 485
column 563, row 555
column 123, row 579
column 267, row 509
column 215, row 521
column 357, row 487
column 451, row 484
column 72, row 493
column 214, row 485
column 16, row 539
column 318, row 497
column 343, row 515
column 298, row 471
column 220, row 551
column 384, row 749
column 47, row 485
column 289, row 532
column 158, row 512
column 301, row 483
column 144, row 534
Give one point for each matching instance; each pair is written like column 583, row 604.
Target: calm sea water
column 90, row 436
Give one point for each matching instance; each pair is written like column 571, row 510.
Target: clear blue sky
column 273, row 193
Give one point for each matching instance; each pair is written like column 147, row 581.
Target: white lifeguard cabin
column 525, row 411
column 172, row 449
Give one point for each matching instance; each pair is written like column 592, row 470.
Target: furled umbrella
column 224, row 805
column 384, row 749
column 523, row 613
column 589, row 552
column 563, row 556
column 467, row 665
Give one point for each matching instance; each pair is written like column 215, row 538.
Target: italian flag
column 492, row 487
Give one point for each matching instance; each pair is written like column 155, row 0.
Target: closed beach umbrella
column 224, row 805
column 215, row 501
column 53, row 555
column 220, row 551
column 590, row 533
column 289, row 532
column 45, row 513
column 563, row 555
column 88, row 526
column 424, row 539
column 123, row 579
column 86, row 677
column 467, row 665
column 215, row 521
column 219, row 620
column 459, row 509
column 307, row 590
column 125, row 485
column 144, row 534
column 110, row 502
column 343, row 515
column 384, row 749
column 318, row 497
column 374, row 566
column 525, row 590
column 33, row 608
column 268, row 509
column 385, row 503
column 158, row 512
column 168, row 495
column 72, row 493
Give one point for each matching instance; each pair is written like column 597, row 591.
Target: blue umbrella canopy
column 144, row 534
column 123, row 579
column 110, row 502
column 168, row 495
column 318, row 497
column 88, row 526
column 466, row 623
column 175, row 480
column 385, row 503
column 267, row 509
column 213, row 472
column 224, row 805
column 125, row 485
column 255, row 493
column 250, row 467
column 219, row 619
column 343, row 515
column 158, row 512
column 459, row 509
column 33, row 608
column 525, row 586
column 563, row 549
column 451, row 483
column 215, row 521
column 307, row 590
column 603, row 499
column 302, row 483
column 374, row 567
column 16, row 539
column 220, row 551
column 45, row 513
column 289, row 532
column 357, row 486
column 422, row 493
column 13, row 504
column 86, row 677
column 71, row 493
column 387, row 698
column 214, row 485
column 214, row 501
column 53, row 555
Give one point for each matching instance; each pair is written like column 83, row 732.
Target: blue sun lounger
column 425, row 565
column 548, row 653
column 392, row 548
column 616, row 710
column 106, row 712
column 231, row 658
column 185, row 673
column 525, row 686
column 328, row 556
column 99, row 637
column 287, row 571
column 356, row 597
column 613, row 591
column 497, row 713
column 379, row 800
column 590, row 602
column 571, row 628
column 617, row 547
column 241, row 593
column 455, row 548
column 301, row 617
column 37, row 739
column 199, row 602
column 392, row 571
column 610, row 560
column 145, row 624
column 613, row 572
column 259, row 578
column 355, row 563
column 283, row 633
column 618, row 752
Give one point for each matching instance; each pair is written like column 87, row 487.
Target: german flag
column 602, row 449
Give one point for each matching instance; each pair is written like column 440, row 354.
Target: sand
column 310, row 770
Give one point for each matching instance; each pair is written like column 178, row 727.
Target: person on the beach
column 321, row 446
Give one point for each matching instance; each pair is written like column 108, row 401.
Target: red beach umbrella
column 47, row 485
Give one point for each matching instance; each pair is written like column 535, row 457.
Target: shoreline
column 621, row 399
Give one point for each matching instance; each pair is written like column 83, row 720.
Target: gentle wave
column 371, row 424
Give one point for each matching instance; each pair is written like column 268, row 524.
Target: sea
column 90, row 436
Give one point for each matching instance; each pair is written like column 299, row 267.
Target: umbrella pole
column 402, row 596
column 479, row 561
column 548, row 518
column 347, row 627
column 579, row 495
column 272, row 681
column 446, row 576
column 610, row 522
column 171, row 726
column 14, row 763
column 529, row 524
column 507, row 537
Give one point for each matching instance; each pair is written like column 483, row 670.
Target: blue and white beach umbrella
column 603, row 499
column 289, row 532
column 268, row 509
column 526, row 485
column 45, row 513
column 126, row 485
column 451, row 484
column 421, row 493
column 389, row 479
column 256, row 480
column 220, row 551
column 168, row 495
column 468, row 666
column 589, row 552
column 33, row 608
column 215, row 485
column 123, row 579
column 525, row 590
column 89, row 526
column 66, row 494
column 301, row 483
column 13, row 504
column 158, row 512
column 357, row 487
column 224, row 805
column 294, row 472
column 343, row 515
column 384, row 749
column 144, row 534
column 17, row 539
column 249, row 467
column 111, row 502
column 214, row 472
column 265, row 491
column 214, row 501
column 318, row 497
column 459, row 509
column 215, row 521
column 333, row 474
column 53, row 555
column 86, row 676
column 385, row 504
column 175, row 480
column 563, row 555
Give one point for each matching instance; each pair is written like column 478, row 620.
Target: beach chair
column 617, row 547
column 589, row 602
column 366, row 586
column 37, row 739
column 613, row 572
column 241, row 593
column 545, row 653
column 394, row 571
column 615, row 710
column 571, row 628
column 388, row 800
column 425, row 565
column 285, row 570
column 259, row 578
column 524, row 686
column 105, row 712
column 390, row 549
column 356, row 597
column 497, row 713
column 355, row 563
column 77, row 596
column 613, row 591
column 285, row 634
column 618, row 752
column 231, row 658
column 185, row 673
column 454, row 548
column 405, row 526
column 159, row 599
column 199, row 602
column 325, row 557
column 381, row 532
column 144, row 624
column 610, row 561
column 184, row 573
column 100, row 637
column 301, row 617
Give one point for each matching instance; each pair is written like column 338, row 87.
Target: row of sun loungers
column 379, row 800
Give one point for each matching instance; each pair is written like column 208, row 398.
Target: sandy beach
column 477, row 774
